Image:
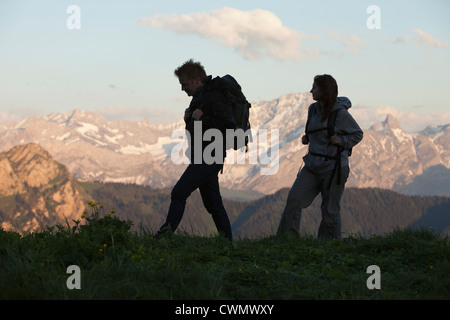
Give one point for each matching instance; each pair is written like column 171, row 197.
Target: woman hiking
column 331, row 133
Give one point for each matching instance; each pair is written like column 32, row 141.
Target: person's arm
column 348, row 133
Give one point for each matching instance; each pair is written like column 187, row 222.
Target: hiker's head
column 191, row 76
column 325, row 90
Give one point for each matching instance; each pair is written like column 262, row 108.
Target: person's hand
column 197, row 114
column 334, row 139
column 305, row 139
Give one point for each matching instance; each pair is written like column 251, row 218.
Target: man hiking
column 209, row 109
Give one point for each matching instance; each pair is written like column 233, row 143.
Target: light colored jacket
column 346, row 128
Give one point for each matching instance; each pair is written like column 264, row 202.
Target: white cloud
column 254, row 34
column 426, row 40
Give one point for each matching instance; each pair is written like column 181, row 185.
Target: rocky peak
column 94, row 148
column 41, row 188
column 28, row 165
column 389, row 123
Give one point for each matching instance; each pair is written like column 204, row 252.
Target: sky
column 116, row 58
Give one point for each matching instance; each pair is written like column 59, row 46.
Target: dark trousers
column 205, row 178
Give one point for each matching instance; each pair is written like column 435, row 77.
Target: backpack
column 241, row 112
column 330, row 131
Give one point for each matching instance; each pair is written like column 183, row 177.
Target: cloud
column 351, row 42
column 400, row 40
column 154, row 115
column 409, row 121
column 397, row 40
column 254, row 34
column 6, row 117
column 426, row 40
column 18, row 114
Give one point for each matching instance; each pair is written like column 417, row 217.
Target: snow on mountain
column 94, row 148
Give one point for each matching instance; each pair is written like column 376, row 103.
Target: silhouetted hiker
column 326, row 166
column 210, row 109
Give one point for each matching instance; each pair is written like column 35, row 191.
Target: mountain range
column 36, row 191
column 95, row 149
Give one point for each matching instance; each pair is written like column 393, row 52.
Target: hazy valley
column 36, row 191
column 94, row 149
column 49, row 165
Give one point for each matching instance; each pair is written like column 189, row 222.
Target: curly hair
column 192, row 70
column 330, row 88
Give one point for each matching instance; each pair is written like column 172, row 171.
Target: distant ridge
column 36, row 191
column 95, row 149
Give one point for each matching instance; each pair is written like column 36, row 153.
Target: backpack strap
column 307, row 131
column 331, row 122
column 307, row 124
column 330, row 125
column 331, row 132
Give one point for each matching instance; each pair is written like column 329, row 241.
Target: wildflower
column 239, row 270
column 431, row 267
column 161, row 259
column 92, row 203
column 101, row 250
column 105, row 245
column 101, row 206
column 112, row 211
column 83, row 216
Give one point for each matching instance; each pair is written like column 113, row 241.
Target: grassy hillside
column 364, row 211
column 148, row 207
column 118, row 264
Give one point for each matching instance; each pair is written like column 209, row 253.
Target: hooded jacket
column 346, row 128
